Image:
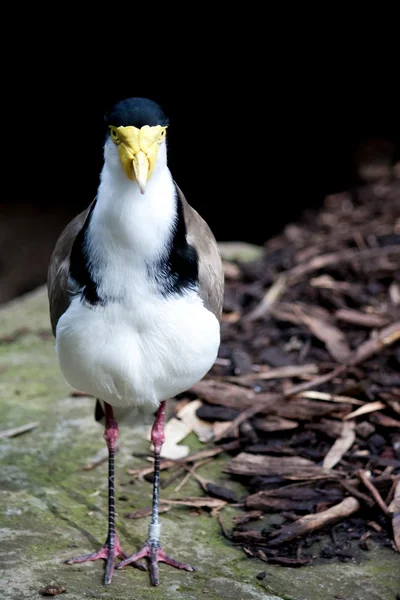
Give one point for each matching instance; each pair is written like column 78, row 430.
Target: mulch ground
column 305, row 394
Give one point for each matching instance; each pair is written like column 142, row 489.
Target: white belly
column 133, row 356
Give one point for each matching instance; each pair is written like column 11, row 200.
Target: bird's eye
column 161, row 136
column 114, row 134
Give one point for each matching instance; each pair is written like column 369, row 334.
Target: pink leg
column 112, row 547
column 152, row 549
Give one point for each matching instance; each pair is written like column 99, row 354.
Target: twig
column 221, row 524
column 269, row 299
column 244, row 415
column 357, row 317
column 390, row 496
column 363, row 476
column 324, row 260
column 386, row 336
column 356, row 492
column 190, row 472
column 301, row 387
column 310, row 523
column 192, row 457
column 14, row 431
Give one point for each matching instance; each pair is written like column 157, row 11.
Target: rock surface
column 51, row 509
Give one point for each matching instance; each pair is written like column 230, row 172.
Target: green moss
column 51, row 509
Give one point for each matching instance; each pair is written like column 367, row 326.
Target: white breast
column 133, row 355
column 141, row 346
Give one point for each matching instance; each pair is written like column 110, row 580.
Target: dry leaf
column 341, row 446
column 367, row 408
column 187, row 415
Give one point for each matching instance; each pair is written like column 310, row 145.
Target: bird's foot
column 155, row 554
column 109, row 552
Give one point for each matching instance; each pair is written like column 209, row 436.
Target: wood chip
column 357, row 317
column 334, row 339
column 269, row 299
column 309, row 523
column 228, row 394
column 278, row 373
column 324, row 260
column 291, row 497
column 275, row 423
column 341, row 446
column 385, row 337
column 286, row 467
column 385, row 421
column 367, row 408
column 252, row 515
column 315, row 395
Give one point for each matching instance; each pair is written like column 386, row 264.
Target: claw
column 154, row 554
column 107, row 552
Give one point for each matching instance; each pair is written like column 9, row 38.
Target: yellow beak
column 141, row 168
column 138, row 150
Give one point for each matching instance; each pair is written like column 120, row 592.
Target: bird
column 135, row 287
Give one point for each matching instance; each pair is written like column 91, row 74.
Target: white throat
column 130, row 231
column 123, row 217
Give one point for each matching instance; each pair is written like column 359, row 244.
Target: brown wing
column 58, row 271
column 211, row 275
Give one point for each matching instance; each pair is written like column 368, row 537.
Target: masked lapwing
column 135, row 288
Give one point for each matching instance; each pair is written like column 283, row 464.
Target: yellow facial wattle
column 138, row 150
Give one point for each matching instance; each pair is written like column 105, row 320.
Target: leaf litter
column 304, row 397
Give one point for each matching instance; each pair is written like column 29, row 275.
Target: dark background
column 256, row 137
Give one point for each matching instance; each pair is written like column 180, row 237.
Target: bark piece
column 341, row 446
column 286, row 467
column 309, row 523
